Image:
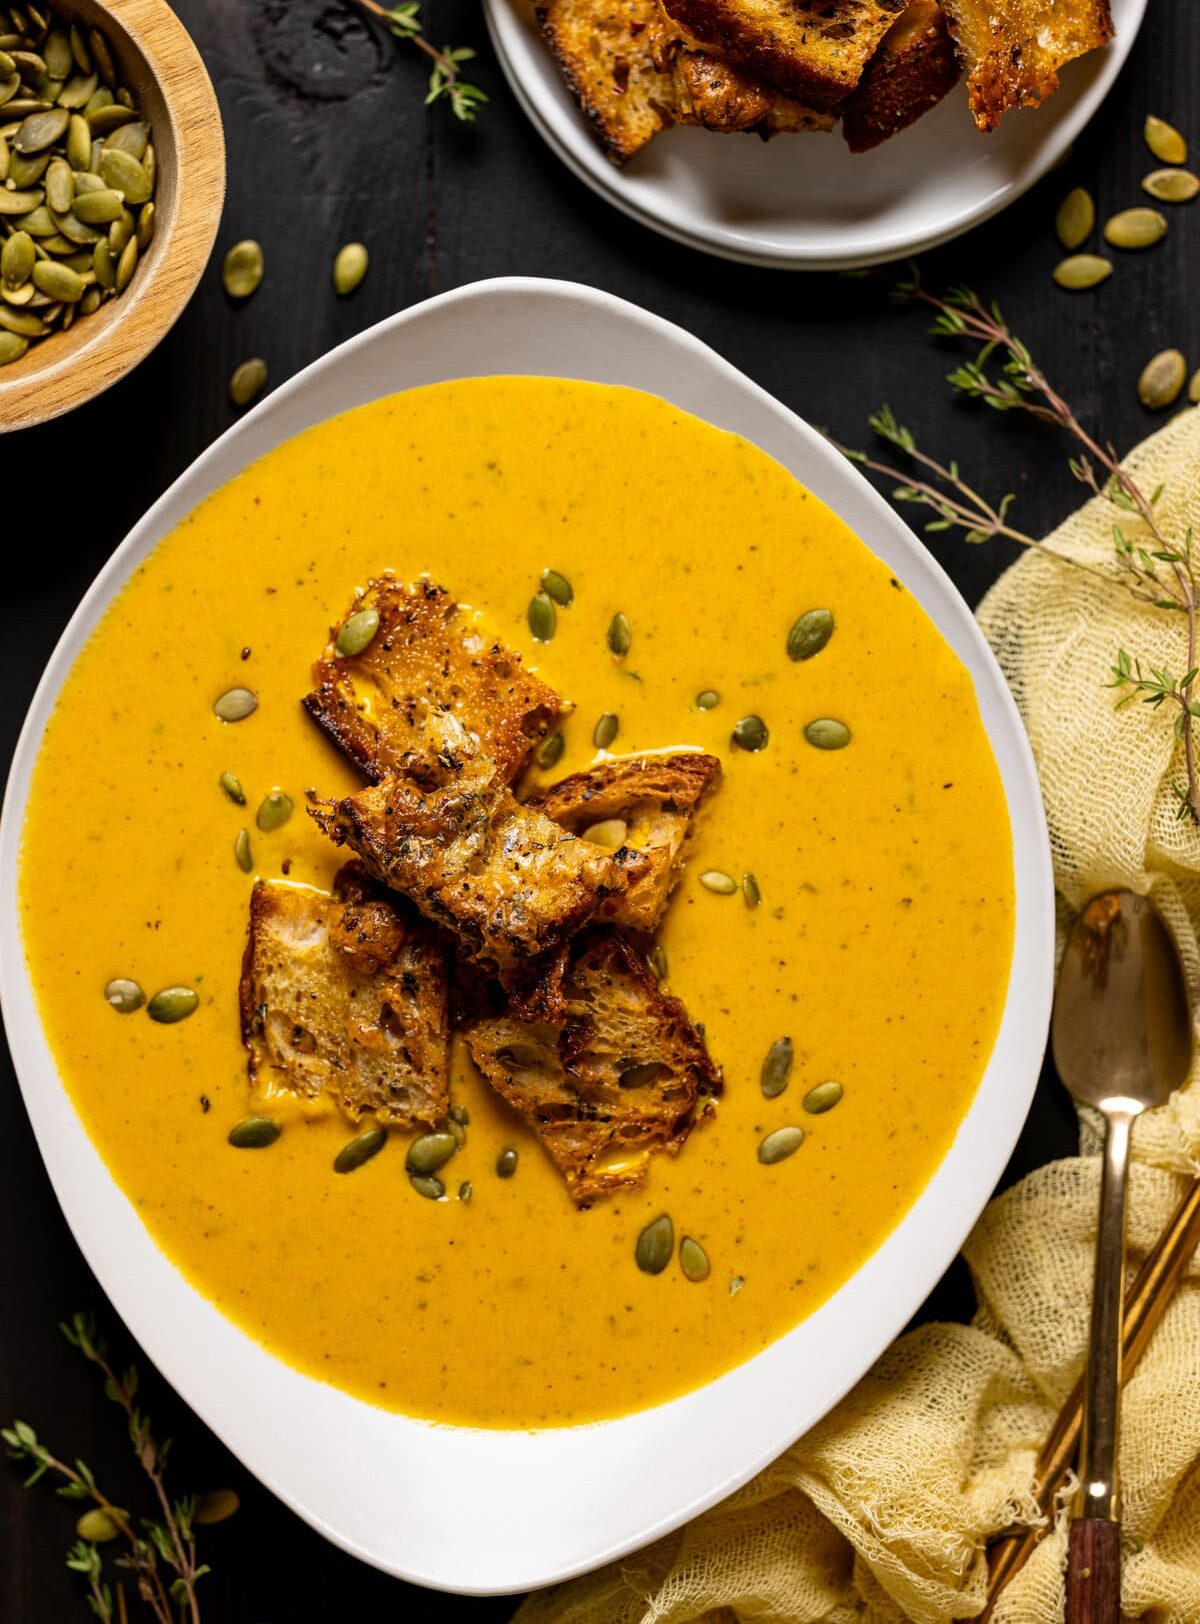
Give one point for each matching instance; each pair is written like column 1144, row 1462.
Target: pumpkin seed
column 657, row 960
column 550, row 751
column 707, row 699
column 26, row 172
column 26, row 294
column 542, row 618
column 79, row 50
column 359, row 1150
column 556, row 586
column 17, row 258
column 254, row 1133
column 1165, row 141
column 1172, row 185
column 58, row 281
column 465, row 1190
column 826, row 733
column 131, row 135
column 173, row 1004
column 781, row 1144
column 693, row 1260
column 243, row 269
column 776, row 1068
column 98, row 208
column 357, row 633
column 655, row 1245
column 714, row 879
column 24, row 322
column 274, row 811
column 77, row 92
column 145, row 226
column 248, row 379
column 605, row 730
column 60, row 185
column 750, row 734
column 1082, row 271
column 103, row 268
column 79, row 143
column 120, row 232
column 102, row 56
column 243, row 851
column 458, row 1131
column 459, row 1114
column 1162, row 379
column 751, row 895
column 609, row 832
column 736, row 1284
column 96, row 1526
column 1194, row 389
column 57, row 52
column 620, row 635
column 232, row 786
column 506, row 1163
column 349, row 267
column 38, row 222
column 41, row 130
column 428, row 1185
column 430, row 1152
column 1135, row 228
column 809, row 634
column 7, row 66
column 215, row 1506
column 124, row 174
column 822, row 1098
column 127, row 263
column 235, row 704
column 1076, row 219
column 12, row 202
column 124, row 995
column 12, row 348
column 105, row 118
column 103, row 97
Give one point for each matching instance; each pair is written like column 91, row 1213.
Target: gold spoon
column 1122, row 1040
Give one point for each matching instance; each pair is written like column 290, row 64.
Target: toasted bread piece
column 620, row 1075
column 656, row 799
column 1013, row 49
column 429, row 679
column 812, row 50
column 914, row 67
column 717, row 96
column 606, row 51
column 510, row 884
column 345, row 995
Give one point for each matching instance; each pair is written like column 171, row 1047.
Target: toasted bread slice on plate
column 608, row 51
column 345, row 996
column 914, row 67
column 646, row 803
column 620, row 1075
column 429, row 678
column 716, row 95
column 1013, row 51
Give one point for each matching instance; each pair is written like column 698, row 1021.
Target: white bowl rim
column 540, row 1506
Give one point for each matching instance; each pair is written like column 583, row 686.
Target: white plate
column 806, row 201
column 471, row 1510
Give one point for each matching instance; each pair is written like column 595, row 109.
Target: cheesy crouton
column 345, row 996
column 618, row 1076
column 430, row 678
column 1013, row 49
column 646, row 803
column 507, row 881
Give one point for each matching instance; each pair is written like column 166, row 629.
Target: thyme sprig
column 445, row 80
column 1156, row 570
column 158, row 1552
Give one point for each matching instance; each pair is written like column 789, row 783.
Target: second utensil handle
column 1094, row 1572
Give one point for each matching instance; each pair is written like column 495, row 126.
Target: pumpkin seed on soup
column 620, row 635
column 605, row 731
column 1076, row 218
column 717, row 881
column 707, row 699
column 232, row 786
column 809, row 634
column 781, row 1144
column 357, row 633
column 750, row 734
column 235, row 704
column 359, row 1150
column 465, row 1190
column 124, row 995
column 693, row 1259
column 430, row 1152
column 609, row 832
column 428, row 1185
column 777, row 1068
column 274, row 811
column 506, row 1163
column 254, row 1133
column 1165, row 141
column 751, row 895
column 822, row 1098
column 1162, row 379
column 655, row 1245
column 542, row 617
column 242, row 851
column 349, row 268
column 827, row 733
column 173, row 1004
column 555, row 585
column 242, row 270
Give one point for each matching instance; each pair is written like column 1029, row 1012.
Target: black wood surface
column 328, row 141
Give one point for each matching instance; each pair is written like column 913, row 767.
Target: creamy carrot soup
column 881, row 945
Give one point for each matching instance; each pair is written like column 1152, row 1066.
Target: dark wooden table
column 328, row 141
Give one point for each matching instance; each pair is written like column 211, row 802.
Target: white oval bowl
column 458, row 1508
column 808, row 202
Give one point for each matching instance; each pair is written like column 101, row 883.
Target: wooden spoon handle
column 1094, row 1572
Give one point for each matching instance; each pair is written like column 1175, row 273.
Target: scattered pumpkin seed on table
column 96, row 1526
column 248, row 380
column 215, row 1506
column 242, row 270
column 1194, row 389
column 1076, row 219
column 1135, row 228
column 1171, row 185
column 1082, row 271
column 349, row 267
column 1162, row 379
column 1165, row 141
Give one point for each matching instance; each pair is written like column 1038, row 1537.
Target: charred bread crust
column 605, row 50
column 657, row 797
column 1013, row 52
column 509, row 883
column 429, row 678
column 914, row 67
column 812, row 50
column 346, row 996
column 619, row 1075
column 716, row 95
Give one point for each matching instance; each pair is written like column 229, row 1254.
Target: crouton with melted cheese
column 345, row 996
column 1013, row 50
column 430, row 679
column 646, row 803
column 618, row 1076
column 506, row 880
column 914, row 67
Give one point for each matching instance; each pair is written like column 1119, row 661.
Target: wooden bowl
column 163, row 69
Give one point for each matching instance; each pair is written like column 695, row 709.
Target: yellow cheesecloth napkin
column 881, row 1513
